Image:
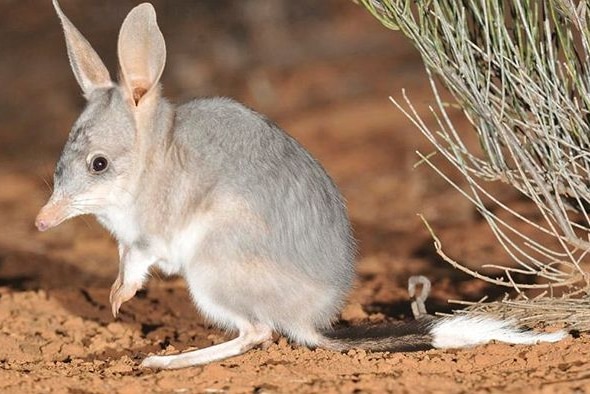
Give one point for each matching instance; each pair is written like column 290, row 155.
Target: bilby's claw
column 120, row 293
column 115, row 308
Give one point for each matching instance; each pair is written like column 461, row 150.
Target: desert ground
column 323, row 71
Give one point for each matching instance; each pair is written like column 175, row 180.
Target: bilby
column 220, row 195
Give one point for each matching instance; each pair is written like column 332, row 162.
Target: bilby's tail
column 429, row 332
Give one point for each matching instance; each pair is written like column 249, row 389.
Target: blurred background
column 284, row 58
column 323, row 70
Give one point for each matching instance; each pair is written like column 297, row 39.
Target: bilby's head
column 98, row 158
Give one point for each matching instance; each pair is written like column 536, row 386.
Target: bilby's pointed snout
column 52, row 214
column 41, row 223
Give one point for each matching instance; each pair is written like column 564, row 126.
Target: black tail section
column 392, row 337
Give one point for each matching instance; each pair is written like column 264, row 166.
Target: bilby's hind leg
column 249, row 336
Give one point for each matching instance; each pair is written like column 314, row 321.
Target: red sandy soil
column 323, row 71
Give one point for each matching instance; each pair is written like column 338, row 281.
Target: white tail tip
column 466, row 331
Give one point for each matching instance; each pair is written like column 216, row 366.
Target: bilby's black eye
column 98, row 164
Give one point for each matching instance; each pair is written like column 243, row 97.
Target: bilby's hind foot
column 249, row 337
column 266, row 344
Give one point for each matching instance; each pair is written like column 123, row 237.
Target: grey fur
column 209, row 149
column 104, row 125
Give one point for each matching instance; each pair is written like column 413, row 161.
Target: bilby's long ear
column 142, row 52
column 89, row 70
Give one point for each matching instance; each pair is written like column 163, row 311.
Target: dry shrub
column 520, row 72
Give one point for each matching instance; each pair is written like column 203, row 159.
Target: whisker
column 85, row 220
column 47, row 184
column 121, row 188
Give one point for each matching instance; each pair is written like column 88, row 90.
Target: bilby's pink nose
column 41, row 224
column 52, row 214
